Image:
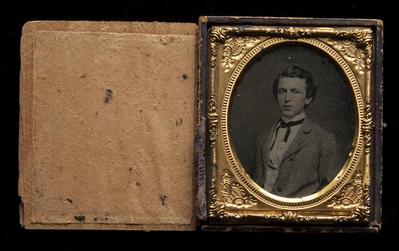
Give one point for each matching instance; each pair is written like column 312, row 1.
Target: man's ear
column 308, row 101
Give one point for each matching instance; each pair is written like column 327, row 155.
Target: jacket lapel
column 299, row 140
column 266, row 148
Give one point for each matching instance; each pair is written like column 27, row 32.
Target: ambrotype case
column 238, row 123
column 325, row 73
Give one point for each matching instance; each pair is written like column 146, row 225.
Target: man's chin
column 288, row 115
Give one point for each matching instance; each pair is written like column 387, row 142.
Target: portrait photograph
column 292, row 119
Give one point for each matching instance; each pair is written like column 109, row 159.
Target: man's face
column 291, row 96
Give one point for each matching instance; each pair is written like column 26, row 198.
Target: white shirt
column 279, row 147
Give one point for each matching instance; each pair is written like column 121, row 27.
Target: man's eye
column 281, row 91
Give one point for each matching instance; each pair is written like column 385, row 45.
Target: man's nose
column 288, row 96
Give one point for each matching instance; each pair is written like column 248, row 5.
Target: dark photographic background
column 255, row 111
column 13, row 14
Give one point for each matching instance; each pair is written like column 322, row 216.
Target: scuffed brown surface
column 107, row 125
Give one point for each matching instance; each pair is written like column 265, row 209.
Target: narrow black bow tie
column 287, row 125
column 290, row 124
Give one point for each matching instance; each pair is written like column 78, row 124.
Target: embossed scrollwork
column 351, row 53
column 216, row 208
column 367, row 127
column 212, row 120
column 218, row 35
column 351, row 195
column 234, row 48
column 290, row 32
column 363, row 38
column 355, row 196
column 289, row 216
column 234, row 194
column 355, row 46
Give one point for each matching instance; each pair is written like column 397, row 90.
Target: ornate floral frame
column 232, row 197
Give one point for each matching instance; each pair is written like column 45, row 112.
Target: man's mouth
column 287, row 107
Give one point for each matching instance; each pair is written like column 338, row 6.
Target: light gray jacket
column 309, row 163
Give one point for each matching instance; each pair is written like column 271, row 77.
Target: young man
column 297, row 157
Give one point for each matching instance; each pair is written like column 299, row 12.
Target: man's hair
column 294, row 71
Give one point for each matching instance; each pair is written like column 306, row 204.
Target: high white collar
column 295, row 118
